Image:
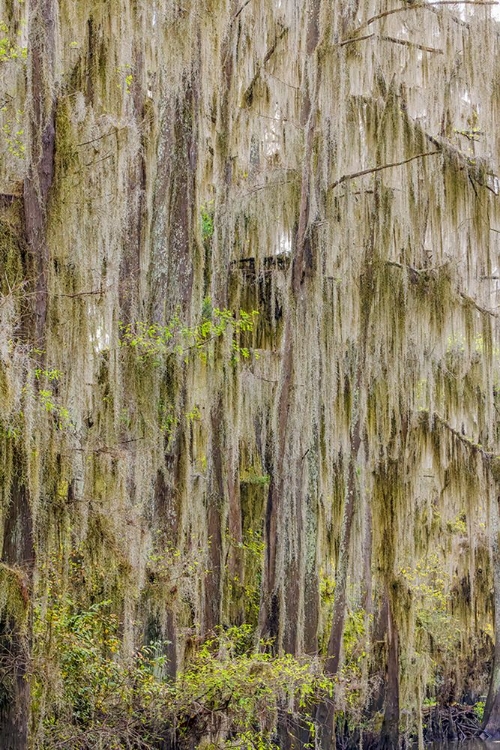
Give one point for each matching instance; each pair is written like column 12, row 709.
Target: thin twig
column 285, row 83
column 91, row 163
column 100, row 137
column 355, row 39
column 257, row 188
column 82, row 294
column 372, row 170
column 239, row 11
column 407, row 43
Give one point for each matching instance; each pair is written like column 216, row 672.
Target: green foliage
column 431, row 601
column 326, row 587
column 13, row 134
column 230, row 692
column 9, row 51
column 126, row 78
column 478, row 709
column 48, row 399
column 250, row 476
column 152, row 342
column 354, row 634
column 351, row 688
column 169, row 569
column 248, row 590
column 81, row 689
column 207, row 222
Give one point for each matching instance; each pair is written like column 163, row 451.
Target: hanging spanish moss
column 249, row 372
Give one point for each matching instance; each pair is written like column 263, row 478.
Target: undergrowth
column 88, row 695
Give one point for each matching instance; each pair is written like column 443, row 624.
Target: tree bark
column 42, row 136
column 491, row 718
column 389, row 738
column 18, row 556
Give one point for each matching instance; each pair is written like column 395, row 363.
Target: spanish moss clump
column 249, row 373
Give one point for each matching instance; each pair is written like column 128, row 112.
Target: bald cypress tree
column 326, row 473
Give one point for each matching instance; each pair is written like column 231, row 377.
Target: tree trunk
column 389, row 738
column 491, row 717
column 18, row 563
column 38, row 182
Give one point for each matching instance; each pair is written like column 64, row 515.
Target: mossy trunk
column 491, row 716
column 389, row 737
column 16, row 568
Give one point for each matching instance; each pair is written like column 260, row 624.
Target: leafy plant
column 250, row 476
column 479, row 709
column 9, row 51
column 152, row 342
column 207, row 222
column 230, row 693
column 47, row 397
column 433, row 618
column 93, row 692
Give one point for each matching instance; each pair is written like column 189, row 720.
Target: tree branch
column 372, row 170
column 240, row 10
column 417, row 6
column 355, row 39
column 466, row 298
column 415, row 45
column 482, row 310
column 394, row 40
column 467, row 441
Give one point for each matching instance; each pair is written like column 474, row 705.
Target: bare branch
column 285, row 83
column 482, row 310
column 372, row 170
column 100, row 137
column 465, row 297
column 247, row 95
column 240, row 10
column 258, row 188
column 464, row 439
column 394, row 40
column 418, row 6
column 97, row 161
column 83, row 294
column 415, row 45
column 354, row 39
